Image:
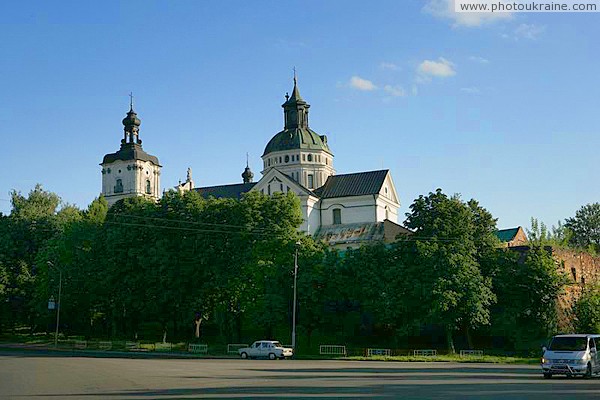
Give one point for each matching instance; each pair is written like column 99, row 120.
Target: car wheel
column 588, row 371
column 272, row 356
column 547, row 375
column 244, row 355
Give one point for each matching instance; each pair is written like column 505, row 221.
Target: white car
column 270, row 349
column 572, row 355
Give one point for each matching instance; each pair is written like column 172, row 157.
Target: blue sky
column 504, row 110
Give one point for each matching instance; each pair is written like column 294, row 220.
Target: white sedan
column 270, row 349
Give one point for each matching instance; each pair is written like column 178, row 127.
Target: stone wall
column 583, row 270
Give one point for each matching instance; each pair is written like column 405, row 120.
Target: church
column 344, row 210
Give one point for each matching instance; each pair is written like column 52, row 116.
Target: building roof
column 297, row 138
column 234, row 191
column 357, row 184
column 130, row 151
column 506, row 235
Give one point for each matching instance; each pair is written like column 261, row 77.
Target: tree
column 585, row 227
column 450, row 289
column 540, row 235
column 527, row 286
column 587, row 311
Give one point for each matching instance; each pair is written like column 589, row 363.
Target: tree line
column 147, row 270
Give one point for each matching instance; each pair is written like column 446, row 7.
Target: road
column 27, row 375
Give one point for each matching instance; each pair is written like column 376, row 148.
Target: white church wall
column 353, row 209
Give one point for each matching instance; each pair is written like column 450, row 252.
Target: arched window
column 310, row 157
column 119, row 186
column 387, row 212
column 311, row 180
column 148, row 187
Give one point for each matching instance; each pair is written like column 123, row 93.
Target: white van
column 572, row 355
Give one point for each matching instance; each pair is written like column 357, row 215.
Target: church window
column 387, row 213
column 148, row 186
column 310, row 157
column 119, row 171
column 303, row 157
column 311, row 181
column 269, row 190
column 269, row 162
column 337, row 216
column 279, row 160
column 119, row 186
column 287, row 159
column 262, row 191
column 281, row 187
column 318, row 158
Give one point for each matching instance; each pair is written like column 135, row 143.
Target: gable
column 388, row 189
column 276, row 181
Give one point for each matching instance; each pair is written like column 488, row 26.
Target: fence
column 332, row 349
column 472, row 353
column 198, row 348
column 80, row 344
column 379, row 352
column 105, row 345
column 426, row 353
column 132, row 346
column 234, row 347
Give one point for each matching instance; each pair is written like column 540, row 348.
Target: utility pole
column 50, row 264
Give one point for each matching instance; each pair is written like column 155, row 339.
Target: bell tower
column 130, row 171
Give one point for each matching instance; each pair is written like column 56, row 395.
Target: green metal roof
column 357, row 184
column 297, row 138
column 506, row 235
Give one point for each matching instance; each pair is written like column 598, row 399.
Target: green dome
column 295, row 139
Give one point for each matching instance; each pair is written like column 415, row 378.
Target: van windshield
column 568, row 343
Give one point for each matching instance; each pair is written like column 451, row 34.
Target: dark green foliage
column 450, row 238
column 145, row 269
column 585, row 228
column 527, row 286
column 587, row 311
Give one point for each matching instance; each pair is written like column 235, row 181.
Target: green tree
column 527, row 286
column 587, row 311
column 585, row 227
column 451, row 290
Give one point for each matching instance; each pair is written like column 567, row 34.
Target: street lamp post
column 50, row 264
column 294, row 309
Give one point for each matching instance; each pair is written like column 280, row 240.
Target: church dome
column 131, row 119
column 296, row 134
column 295, row 139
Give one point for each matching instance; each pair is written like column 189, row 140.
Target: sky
column 501, row 108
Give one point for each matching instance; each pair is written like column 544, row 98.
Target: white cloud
column 441, row 69
column 470, row 90
column 529, row 31
column 444, row 9
column 389, row 66
column 396, row 91
column 359, row 83
column 479, row 60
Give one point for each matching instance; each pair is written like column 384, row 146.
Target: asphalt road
column 46, row 376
